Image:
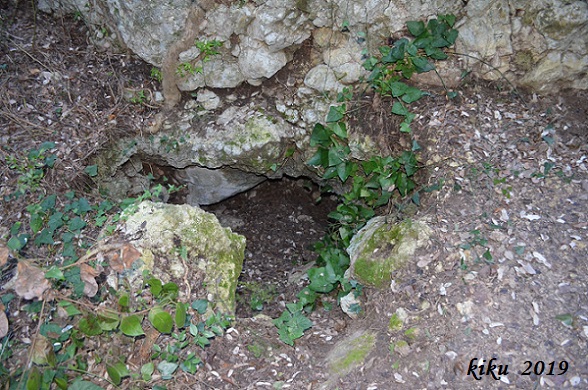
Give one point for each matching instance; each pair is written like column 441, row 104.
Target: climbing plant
column 369, row 184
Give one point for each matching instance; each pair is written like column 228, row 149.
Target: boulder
column 186, row 245
column 380, row 248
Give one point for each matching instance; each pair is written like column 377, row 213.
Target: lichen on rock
column 378, row 249
column 214, row 254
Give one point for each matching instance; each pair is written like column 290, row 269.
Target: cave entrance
column 281, row 220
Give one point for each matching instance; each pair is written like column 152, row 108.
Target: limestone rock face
column 214, row 254
column 538, row 44
column 301, row 54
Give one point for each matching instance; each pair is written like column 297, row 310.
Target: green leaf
column 405, row 127
column 422, row 65
column 79, row 384
column 91, row 170
column 399, row 109
column 170, row 289
column 76, row 224
column 45, row 237
column 167, row 369
column 131, row 326
column 567, row 319
column 320, row 280
column 155, row 286
column 70, row 308
column 335, row 156
column 124, row 300
column 398, row 88
column 34, row 379
column 89, row 325
column 36, row 222
column 412, row 95
column 48, row 203
column 319, row 136
column 117, row 371
column 449, row 18
column 339, row 129
column 54, row 273
column 416, row 28
column 147, row 371
column 451, row 37
column 82, row 206
column 336, row 113
column 55, row 221
column 108, row 319
column 161, row 320
column 320, row 158
column 15, row 244
column 200, row 305
column 180, row 316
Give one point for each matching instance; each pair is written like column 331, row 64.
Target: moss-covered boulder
column 186, row 245
column 380, row 248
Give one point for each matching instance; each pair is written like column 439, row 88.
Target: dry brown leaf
column 88, row 275
column 30, row 281
column 3, row 255
column 42, row 351
column 129, row 255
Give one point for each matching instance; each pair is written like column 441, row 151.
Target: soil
column 504, row 275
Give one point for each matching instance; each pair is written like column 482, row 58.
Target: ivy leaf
column 320, row 280
column 161, row 320
column 319, row 135
column 167, row 369
column 55, row 221
column 416, row 28
column 336, row 113
column 335, row 157
column 131, row 326
column 45, row 237
column 422, row 65
column 117, row 371
column 398, row 88
column 449, row 18
column 412, row 95
column 54, row 273
column 36, row 223
column 399, row 109
column 15, row 243
column 91, row 170
column 339, row 129
column 83, row 385
column 76, row 224
column 451, row 36
column 48, row 203
column 200, row 305
column 90, row 326
column 566, row 319
column 180, row 316
column 320, row 159
column 405, row 127
column 147, row 371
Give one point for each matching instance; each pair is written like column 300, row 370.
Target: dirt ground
column 504, row 275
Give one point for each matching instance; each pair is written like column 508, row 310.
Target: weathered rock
column 538, row 44
column 348, row 355
column 215, row 159
column 380, row 248
column 214, row 254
